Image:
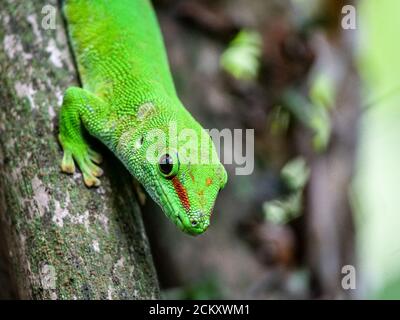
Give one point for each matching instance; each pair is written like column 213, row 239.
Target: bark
column 60, row 239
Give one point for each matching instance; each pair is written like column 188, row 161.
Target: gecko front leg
column 81, row 109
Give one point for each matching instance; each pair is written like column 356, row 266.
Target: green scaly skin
column 127, row 92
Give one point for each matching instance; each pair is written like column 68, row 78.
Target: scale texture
column 129, row 102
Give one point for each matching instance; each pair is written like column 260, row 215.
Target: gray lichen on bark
column 64, row 241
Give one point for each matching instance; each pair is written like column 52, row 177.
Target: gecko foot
column 85, row 158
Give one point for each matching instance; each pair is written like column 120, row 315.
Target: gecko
column 128, row 101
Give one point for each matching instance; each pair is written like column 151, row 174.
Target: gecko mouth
column 177, row 218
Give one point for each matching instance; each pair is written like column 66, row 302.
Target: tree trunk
column 62, row 240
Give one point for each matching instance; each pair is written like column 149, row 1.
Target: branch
column 64, row 241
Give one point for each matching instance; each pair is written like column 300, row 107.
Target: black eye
column 166, row 164
column 169, row 165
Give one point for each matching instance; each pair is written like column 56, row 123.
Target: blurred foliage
column 313, row 116
column 279, row 120
column 322, row 92
column 242, row 57
column 207, row 289
column 309, row 98
column 306, row 10
column 283, row 211
column 295, row 174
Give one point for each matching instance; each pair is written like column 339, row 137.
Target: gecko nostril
column 194, row 223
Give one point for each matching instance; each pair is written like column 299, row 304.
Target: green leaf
column 242, row 57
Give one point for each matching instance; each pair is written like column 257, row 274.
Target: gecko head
column 183, row 175
column 189, row 191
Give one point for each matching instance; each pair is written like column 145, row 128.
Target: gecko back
column 117, row 44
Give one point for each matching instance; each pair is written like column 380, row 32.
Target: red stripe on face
column 181, row 192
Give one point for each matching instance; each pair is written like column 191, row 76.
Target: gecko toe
column 95, row 156
column 90, row 172
column 90, row 168
column 91, row 181
column 67, row 164
column 85, row 158
column 97, row 171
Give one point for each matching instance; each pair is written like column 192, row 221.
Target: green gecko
column 127, row 95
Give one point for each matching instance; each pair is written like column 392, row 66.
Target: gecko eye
column 168, row 165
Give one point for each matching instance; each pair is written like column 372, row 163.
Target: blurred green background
column 376, row 184
column 323, row 101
